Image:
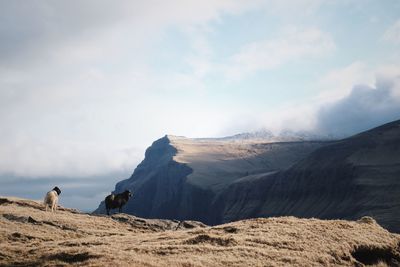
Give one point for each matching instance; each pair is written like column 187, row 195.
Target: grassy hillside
column 29, row 236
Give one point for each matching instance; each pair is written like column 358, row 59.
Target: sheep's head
column 128, row 193
column 57, row 190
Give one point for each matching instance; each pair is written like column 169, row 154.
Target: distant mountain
column 259, row 175
column 181, row 178
column 346, row 179
column 265, row 135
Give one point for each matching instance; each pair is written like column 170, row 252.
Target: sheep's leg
column 47, row 206
column 108, row 211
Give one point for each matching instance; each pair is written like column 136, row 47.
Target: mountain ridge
column 219, row 180
column 180, row 177
column 265, row 135
column 357, row 176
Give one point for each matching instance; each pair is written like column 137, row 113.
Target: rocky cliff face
column 350, row 178
column 159, row 186
column 182, row 178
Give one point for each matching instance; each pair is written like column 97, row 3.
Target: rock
column 367, row 220
column 190, row 225
column 31, row 220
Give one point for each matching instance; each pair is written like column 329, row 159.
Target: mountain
column 181, row 178
column 265, row 135
column 346, row 179
column 30, row 236
column 247, row 176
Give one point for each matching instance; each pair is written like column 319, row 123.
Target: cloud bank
column 79, row 95
column 85, row 87
column 343, row 107
column 364, row 108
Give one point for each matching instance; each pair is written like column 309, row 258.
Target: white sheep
column 51, row 198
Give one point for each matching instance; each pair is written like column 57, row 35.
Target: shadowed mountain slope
column 347, row 179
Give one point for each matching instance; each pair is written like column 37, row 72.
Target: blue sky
column 85, row 87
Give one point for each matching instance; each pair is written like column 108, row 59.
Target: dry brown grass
column 30, row 236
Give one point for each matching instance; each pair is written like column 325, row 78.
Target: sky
column 86, row 86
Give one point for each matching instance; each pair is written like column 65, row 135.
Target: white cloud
column 57, row 157
column 364, row 108
column 79, row 98
column 291, row 8
column 77, row 89
column 352, row 99
column 294, row 44
column 392, row 34
column 36, row 32
column 339, row 82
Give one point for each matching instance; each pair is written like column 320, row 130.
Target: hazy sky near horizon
column 86, row 86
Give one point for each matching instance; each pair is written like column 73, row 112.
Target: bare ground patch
column 372, row 255
column 206, row 239
column 71, row 257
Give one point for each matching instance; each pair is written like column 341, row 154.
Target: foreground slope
column 29, row 236
column 350, row 178
column 181, row 178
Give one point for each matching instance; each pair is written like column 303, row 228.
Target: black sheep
column 117, row 201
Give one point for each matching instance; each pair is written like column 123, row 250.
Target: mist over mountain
column 286, row 135
column 363, row 108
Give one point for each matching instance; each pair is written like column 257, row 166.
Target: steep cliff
column 182, row 178
column 160, row 188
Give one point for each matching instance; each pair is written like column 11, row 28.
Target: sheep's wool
column 51, row 199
